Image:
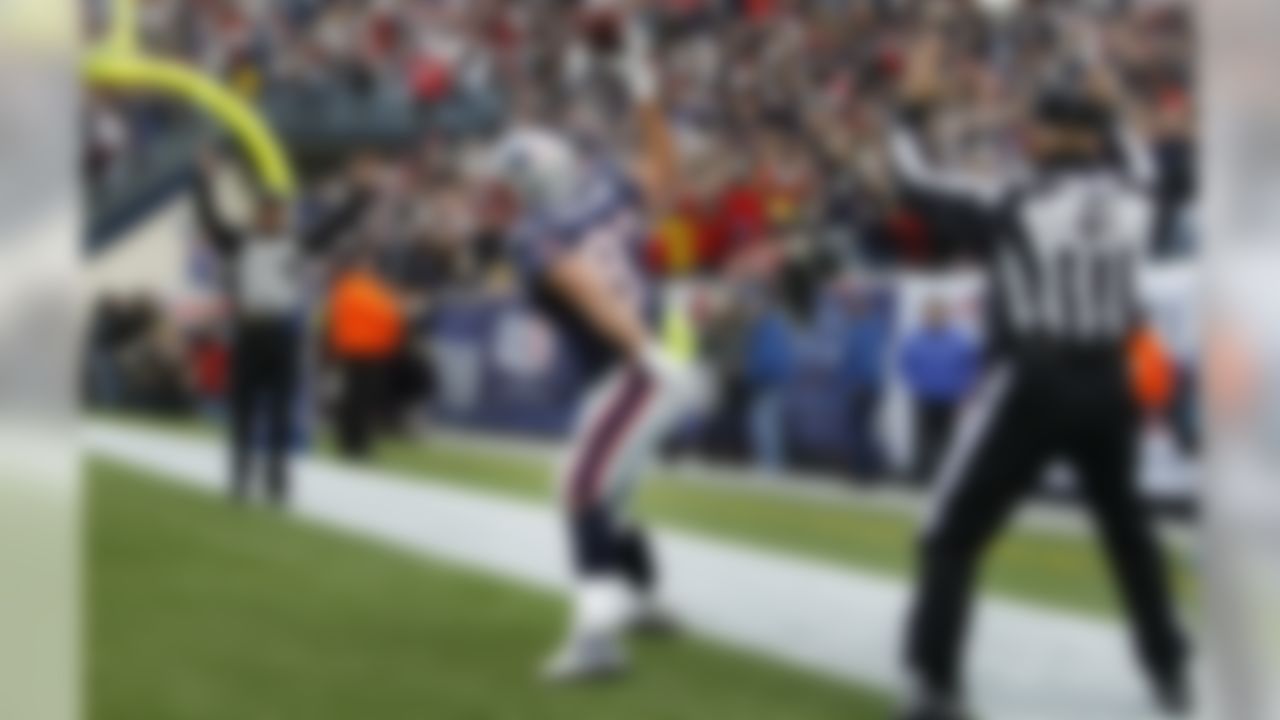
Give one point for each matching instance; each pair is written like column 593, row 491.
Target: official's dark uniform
column 1062, row 250
column 265, row 286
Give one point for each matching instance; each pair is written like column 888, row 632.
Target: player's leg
column 635, row 556
column 636, row 559
column 1106, row 458
column 600, row 608
column 618, row 571
column 989, row 465
column 640, row 564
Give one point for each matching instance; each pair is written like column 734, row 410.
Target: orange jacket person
column 366, row 329
column 365, row 319
column 1152, row 372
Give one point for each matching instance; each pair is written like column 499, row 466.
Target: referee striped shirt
column 1062, row 247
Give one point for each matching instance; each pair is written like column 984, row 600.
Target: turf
column 1046, row 568
column 198, row 611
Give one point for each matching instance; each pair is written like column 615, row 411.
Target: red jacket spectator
column 431, row 79
column 211, row 367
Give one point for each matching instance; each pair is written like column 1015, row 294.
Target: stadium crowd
column 796, row 221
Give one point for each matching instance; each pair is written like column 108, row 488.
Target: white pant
column 616, row 436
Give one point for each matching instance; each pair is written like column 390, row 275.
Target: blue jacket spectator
column 862, row 373
column 866, row 343
column 770, row 356
column 769, row 362
column 940, row 364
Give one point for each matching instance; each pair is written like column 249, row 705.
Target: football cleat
column 586, row 659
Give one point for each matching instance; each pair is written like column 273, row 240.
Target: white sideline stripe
column 1027, row 663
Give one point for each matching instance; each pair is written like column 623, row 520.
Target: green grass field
column 198, row 611
column 1046, row 568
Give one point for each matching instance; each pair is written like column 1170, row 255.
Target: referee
column 1063, row 245
column 264, row 266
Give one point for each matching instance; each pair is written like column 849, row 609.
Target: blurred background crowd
column 789, row 254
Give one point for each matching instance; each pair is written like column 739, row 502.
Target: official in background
column 263, row 270
column 366, row 336
column 1063, row 246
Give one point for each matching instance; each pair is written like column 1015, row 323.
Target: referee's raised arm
column 909, row 155
column 224, row 238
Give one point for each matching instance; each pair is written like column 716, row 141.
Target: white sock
column 603, row 606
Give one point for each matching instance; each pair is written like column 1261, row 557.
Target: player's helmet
column 543, row 168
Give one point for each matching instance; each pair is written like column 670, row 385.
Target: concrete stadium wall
column 150, row 259
column 154, row 257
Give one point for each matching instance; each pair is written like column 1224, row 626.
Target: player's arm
column 573, row 279
column 656, row 168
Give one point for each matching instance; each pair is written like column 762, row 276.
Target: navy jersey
column 604, row 224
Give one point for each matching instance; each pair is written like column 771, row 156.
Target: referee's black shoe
column 1173, row 693
column 934, row 712
column 933, row 706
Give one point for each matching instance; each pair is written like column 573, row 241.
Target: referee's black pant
column 1075, row 407
column 934, row 420
column 263, row 379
